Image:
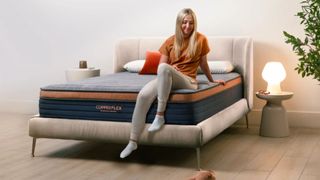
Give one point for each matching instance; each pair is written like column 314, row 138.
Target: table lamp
column 274, row 72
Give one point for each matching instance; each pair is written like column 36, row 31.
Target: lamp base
column 274, row 88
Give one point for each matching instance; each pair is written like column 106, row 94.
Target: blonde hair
column 179, row 34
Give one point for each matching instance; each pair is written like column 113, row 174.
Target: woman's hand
column 222, row 82
column 175, row 67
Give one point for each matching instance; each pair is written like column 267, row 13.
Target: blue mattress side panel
column 176, row 113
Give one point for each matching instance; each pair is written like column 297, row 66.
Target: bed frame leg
column 247, row 121
column 34, row 141
column 198, row 158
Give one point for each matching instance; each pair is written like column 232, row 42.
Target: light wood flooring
column 236, row 154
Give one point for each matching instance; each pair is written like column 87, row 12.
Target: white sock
column 156, row 124
column 128, row 150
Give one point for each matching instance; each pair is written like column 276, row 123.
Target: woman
column 181, row 55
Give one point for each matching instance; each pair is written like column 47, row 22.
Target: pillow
column 134, row 66
column 219, row 67
column 152, row 62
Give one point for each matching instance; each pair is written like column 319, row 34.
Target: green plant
column 308, row 49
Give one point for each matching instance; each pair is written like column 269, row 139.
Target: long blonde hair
column 179, row 34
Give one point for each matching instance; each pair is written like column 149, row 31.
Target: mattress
column 112, row 97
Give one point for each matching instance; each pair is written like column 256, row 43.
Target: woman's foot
column 128, row 150
column 157, row 123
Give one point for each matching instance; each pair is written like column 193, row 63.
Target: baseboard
column 305, row 119
column 19, row 107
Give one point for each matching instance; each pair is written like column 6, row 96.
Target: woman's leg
column 145, row 98
column 168, row 79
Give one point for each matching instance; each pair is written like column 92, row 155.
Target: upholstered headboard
column 238, row 50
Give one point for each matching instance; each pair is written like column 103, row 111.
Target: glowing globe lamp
column 274, row 72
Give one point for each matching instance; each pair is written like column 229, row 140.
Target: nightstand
column 274, row 121
column 77, row 74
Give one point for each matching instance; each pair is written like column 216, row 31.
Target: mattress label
column 108, row 108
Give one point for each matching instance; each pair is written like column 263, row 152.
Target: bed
column 95, row 119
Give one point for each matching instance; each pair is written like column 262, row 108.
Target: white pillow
column 219, row 67
column 134, row 66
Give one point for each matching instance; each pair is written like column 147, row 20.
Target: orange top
column 187, row 65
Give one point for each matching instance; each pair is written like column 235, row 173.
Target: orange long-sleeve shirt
column 186, row 64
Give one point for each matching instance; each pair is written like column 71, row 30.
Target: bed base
column 191, row 136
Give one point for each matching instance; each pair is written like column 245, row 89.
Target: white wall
column 40, row 39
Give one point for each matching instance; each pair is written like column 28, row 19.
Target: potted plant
column 308, row 50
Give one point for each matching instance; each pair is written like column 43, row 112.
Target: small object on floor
column 204, row 175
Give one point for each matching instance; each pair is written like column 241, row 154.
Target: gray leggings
column 167, row 79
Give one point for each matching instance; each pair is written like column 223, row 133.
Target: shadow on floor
column 149, row 155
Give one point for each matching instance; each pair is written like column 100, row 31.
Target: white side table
column 77, row 74
column 274, row 121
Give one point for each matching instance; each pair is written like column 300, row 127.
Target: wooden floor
column 236, row 154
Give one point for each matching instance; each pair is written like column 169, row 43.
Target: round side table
column 77, row 74
column 274, row 121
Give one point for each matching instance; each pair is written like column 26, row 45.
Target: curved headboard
column 238, row 50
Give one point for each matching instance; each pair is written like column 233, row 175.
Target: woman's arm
column 205, row 69
column 163, row 59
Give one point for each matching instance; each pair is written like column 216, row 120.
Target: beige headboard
column 238, row 50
